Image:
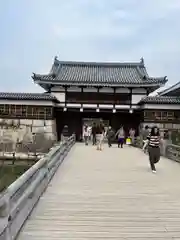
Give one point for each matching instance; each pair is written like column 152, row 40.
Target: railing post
column 14, row 211
column 4, row 209
column 4, row 218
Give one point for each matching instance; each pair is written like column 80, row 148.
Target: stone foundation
column 27, row 135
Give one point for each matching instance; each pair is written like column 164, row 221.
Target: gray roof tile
column 160, row 100
column 107, row 74
column 27, row 96
column 171, row 91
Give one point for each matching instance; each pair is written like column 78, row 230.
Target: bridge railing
column 168, row 150
column 17, row 202
column 173, row 152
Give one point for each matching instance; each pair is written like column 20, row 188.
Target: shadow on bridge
column 108, row 195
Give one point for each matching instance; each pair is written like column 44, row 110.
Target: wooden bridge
column 101, row 195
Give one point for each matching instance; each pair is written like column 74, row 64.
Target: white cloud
column 97, row 30
column 102, row 30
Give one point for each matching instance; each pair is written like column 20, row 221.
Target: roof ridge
column 26, row 96
column 147, row 77
column 98, row 73
column 164, row 97
column 24, row 93
column 107, row 63
column 141, row 74
column 160, row 100
column 168, row 89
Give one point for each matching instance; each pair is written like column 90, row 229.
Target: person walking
column 121, row 135
column 94, row 134
column 110, row 135
column 100, row 135
column 154, row 147
column 65, row 133
column 132, row 135
column 89, row 132
column 86, row 134
column 145, row 134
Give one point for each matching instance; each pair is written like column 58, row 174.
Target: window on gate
column 95, row 97
column 26, row 112
column 164, row 116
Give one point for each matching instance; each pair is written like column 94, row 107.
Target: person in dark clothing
column 94, row 133
column 65, row 133
column 110, row 135
column 121, row 136
column 166, row 135
column 154, row 148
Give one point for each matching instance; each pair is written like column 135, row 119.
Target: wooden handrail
column 20, row 197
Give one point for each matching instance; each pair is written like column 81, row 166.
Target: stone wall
column 168, row 126
column 27, row 135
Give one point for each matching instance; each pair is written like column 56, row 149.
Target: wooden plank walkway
column 108, row 195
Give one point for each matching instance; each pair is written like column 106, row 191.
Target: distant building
column 77, row 92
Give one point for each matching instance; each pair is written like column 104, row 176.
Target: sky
column 33, row 32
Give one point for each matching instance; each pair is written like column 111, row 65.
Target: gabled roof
column 99, row 74
column 160, row 100
column 27, row 96
column 170, row 90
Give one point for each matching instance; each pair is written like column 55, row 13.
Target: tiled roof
column 26, row 96
column 160, row 100
column 170, row 90
column 102, row 74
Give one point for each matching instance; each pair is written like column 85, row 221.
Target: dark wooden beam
column 130, row 97
column 98, row 93
column 114, row 93
column 81, row 93
column 65, row 95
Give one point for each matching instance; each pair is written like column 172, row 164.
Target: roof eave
column 158, row 103
column 133, row 64
column 159, row 100
column 170, row 89
column 44, row 83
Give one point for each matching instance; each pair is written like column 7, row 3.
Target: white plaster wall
column 89, row 89
column 139, row 90
column 106, row 90
column 59, row 95
column 74, row 89
column 122, row 90
column 162, row 106
column 137, row 97
column 162, row 125
column 73, row 105
column 57, row 89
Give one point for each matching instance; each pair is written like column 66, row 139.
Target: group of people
column 151, row 140
column 99, row 132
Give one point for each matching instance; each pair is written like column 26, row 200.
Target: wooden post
column 65, row 97
column 82, row 95
column 97, row 99
column 114, row 102
column 130, row 97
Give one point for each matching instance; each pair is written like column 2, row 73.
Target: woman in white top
column 86, row 134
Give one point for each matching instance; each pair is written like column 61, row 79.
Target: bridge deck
column 108, row 195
